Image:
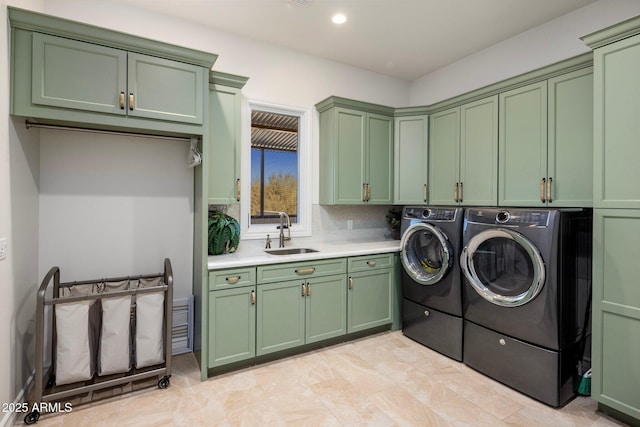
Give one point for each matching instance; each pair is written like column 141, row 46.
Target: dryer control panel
column 513, row 217
column 431, row 214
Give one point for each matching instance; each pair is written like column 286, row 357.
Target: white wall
column 546, row 44
column 115, row 206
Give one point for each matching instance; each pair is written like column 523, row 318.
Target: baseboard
column 9, row 418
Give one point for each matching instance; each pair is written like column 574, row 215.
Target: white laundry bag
column 150, row 324
column 76, row 336
column 115, row 336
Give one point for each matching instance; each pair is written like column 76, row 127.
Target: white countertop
column 252, row 252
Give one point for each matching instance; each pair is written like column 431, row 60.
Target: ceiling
column 406, row 39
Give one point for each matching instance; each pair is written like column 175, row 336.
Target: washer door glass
column 426, row 253
column 503, row 267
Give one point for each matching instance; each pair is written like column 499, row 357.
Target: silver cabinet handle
column 549, row 198
column 350, row 282
column 238, row 189
column 542, row 182
column 424, row 193
column 371, row 263
column 233, row 280
column 305, row 270
column 131, row 101
column 253, row 297
column 460, row 193
column 304, row 290
column 121, row 100
column 308, row 289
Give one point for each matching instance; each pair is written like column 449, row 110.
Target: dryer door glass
column 503, row 267
column 426, row 253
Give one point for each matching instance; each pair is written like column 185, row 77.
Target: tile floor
column 381, row 380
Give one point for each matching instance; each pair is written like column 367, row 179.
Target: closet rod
column 110, row 132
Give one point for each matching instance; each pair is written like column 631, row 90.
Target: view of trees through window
column 274, row 167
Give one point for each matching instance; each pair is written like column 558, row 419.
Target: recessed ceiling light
column 339, row 18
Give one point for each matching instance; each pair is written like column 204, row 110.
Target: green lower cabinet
column 616, row 310
column 232, row 325
column 369, row 301
column 300, row 312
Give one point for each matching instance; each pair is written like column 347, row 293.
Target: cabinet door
column 224, row 145
column 444, row 165
column 570, row 140
column 479, row 153
column 523, row 145
column 280, row 316
column 379, row 159
column 349, row 168
column 165, row 90
column 410, row 160
column 369, row 299
column 232, row 323
column 617, row 125
column 326, row 307
column 616, row 310
column 77, row 75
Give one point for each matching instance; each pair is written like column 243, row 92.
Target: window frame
column 303, row 227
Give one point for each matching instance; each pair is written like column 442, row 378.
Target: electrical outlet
column 349, row 224
column 4, row 243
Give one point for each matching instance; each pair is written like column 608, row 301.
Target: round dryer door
column 503, row 267
column 426, row 253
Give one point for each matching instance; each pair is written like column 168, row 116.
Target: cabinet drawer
column 292, row 271
column 224, row 279
column 370, row 262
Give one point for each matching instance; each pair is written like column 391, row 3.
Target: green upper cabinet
column 523, row 146
column 444, row 155
column 71, row 73
column 570, row 140
column 224, row 138
column 479, row 153
column 546, row 143
column 463, row 152
column 411, row 157
column 77, row 75
column 356, row 153
column 617, row 125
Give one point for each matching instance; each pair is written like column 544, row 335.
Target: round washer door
column 426, row 253
column 503, row 267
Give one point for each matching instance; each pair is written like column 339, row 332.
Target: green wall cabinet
column 78, row 75
column 463, row 152
column 411, row 160
column 616, row 310
column 523, row 146
column 546, row 143
column 225, row 99
column 617, row 125
column 370, row 297
column 67, row 72
column 356, row 154
column 231, row 316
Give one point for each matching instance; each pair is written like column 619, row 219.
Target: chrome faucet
column 282, row 227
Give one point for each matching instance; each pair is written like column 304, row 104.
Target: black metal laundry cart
column 109, row 333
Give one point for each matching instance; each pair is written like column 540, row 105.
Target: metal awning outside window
column 274, row 132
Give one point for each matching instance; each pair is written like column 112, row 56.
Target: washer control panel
column 432, row 214
column 513, row 217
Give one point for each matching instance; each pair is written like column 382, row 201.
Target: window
column 275, row 169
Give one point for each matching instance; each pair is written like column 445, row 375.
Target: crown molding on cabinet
column 225, row 79
column 38, row 22
column 614, row 33
column 336, row 101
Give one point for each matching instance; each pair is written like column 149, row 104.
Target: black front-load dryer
column 431, row 284
column 526, row 281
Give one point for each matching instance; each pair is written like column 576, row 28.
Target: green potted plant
column 224, row 233
column 393, row 219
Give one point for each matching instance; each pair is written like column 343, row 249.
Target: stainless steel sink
column 290, row 251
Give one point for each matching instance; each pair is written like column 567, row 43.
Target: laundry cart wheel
column 32, row 417
column 163, row 382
